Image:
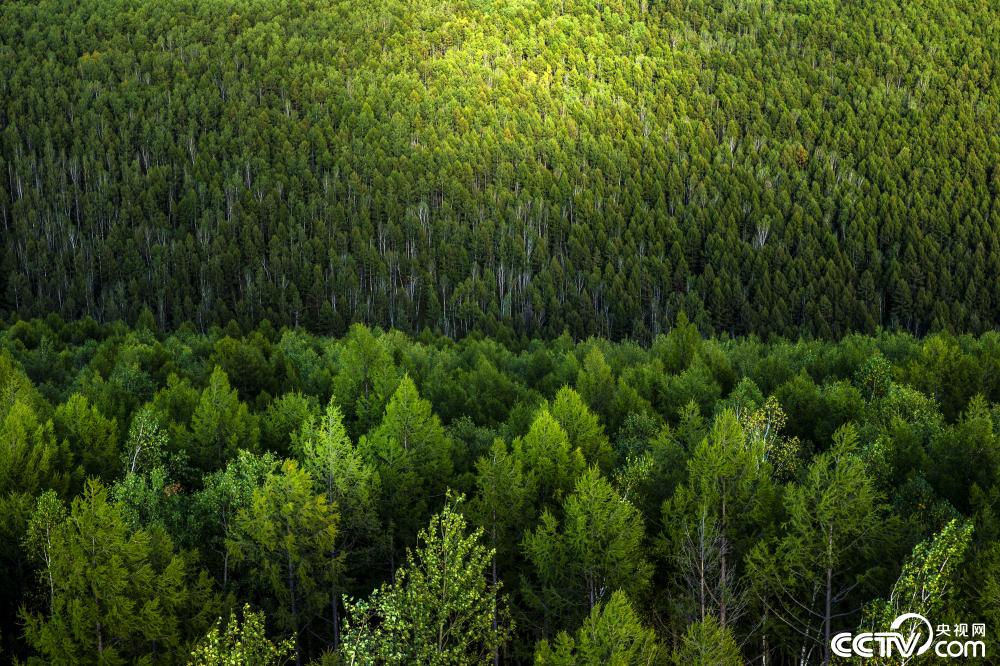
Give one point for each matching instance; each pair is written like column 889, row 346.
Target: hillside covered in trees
column 512, row 167
column 384, row 499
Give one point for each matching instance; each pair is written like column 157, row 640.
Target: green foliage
column 551, row 465
column 597, row 549
column 439, row 610
column 114, row 595
column 31, row 458
column 366, row 379
column 329, row 455
column 350, row 484
column 811, row 576
column 282, row 419
column 515, row 169
column 707, row 643
column 582, row 427
column 240, row 643
column 285, row 538
column 500, row 502
column 213, row 512
column 15, row 385
column 15, row 568
column 612, row 634
column 596, row 383
column 221, row 424
column 874, row 377
column 713, row 516
column 413, row 456
column 926, row 577
column 88, row 432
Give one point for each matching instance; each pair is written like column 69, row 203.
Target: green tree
column 349, row 483
column 282, row 420
column 598, row 549
column 412, row 454
column 707, row 643
column 213, row 511
column 551, row 465
column 703, row 519
column 925, row 582
column 285, row 538
column 16, row 568
column 242, row 642
column 809, row 577
column 366, row 379
column 146, row 444
column 612, row 634
column 499, row 509
column 92, row 437
column 596, row 383
column 221, row 424
column 439, row 610
column 31, row 459
column 113, row 596
column 583, row 428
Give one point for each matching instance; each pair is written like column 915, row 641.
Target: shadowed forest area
column 509, row 167
column 630, row 332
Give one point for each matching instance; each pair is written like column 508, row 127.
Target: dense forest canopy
column 513, row 167
column 697, row 501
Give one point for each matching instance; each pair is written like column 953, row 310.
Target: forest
column 516, row 168
column 268, row 496
column 448, row 332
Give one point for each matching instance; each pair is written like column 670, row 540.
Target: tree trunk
column 723, row 590
column 335, row 610
column 97, row 601
column 826, row 616
column 496, row 610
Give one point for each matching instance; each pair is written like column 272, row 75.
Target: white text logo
column 910, row 635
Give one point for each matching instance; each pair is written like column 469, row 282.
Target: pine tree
column 412, row 454
column 583, row 428
column 707, row 643
column 31, row 458
column 808, row 577
column 350, row 484
column 550, row 464
column 597, row 549
column 213, row 511
column 113, row 596
column 703, row 523
column 612, row 634
column 285, row 538
column 221, row 424
column 499, row 509
column 366, row 379
column 90, row 434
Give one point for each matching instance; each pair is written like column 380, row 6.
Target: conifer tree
column 285, row 538
column 221, row 424
column 112, row 596
column 595, row 550
column 411, row 452
column 350, row 484
column 612, row 634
